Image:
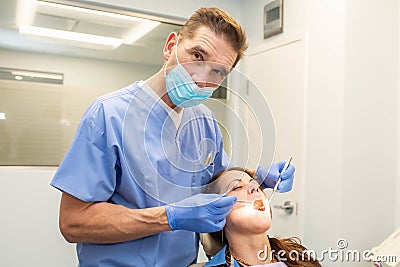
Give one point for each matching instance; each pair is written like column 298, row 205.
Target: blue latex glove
column 202, row 213
column 269, row 176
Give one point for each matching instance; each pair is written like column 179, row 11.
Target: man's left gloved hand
column 270, row 174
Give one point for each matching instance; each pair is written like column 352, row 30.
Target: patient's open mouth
column 258, row 204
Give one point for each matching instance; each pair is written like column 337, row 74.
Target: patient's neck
column 246, row 247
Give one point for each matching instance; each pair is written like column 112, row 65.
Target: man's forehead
column 213, row 45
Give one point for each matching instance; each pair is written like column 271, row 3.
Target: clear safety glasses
column 210, row 73
column 204, row 73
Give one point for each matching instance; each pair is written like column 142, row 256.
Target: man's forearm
column 105, row 223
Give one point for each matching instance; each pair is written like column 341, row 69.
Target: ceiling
column 146, row 50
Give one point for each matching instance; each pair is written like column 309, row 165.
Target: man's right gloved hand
column 202, row 213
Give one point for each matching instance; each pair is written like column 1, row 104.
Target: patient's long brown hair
column 294, row 253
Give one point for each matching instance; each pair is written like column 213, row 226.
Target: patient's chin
column 255, row 229
column 262, row 228
column 250, row 219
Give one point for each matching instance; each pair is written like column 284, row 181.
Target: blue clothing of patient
column 128, row 151
column 219, row 260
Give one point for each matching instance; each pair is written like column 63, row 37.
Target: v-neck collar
column 157, row 109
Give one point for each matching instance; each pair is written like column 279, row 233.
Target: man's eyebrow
column 200, row 49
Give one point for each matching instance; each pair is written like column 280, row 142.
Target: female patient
column 243, row 241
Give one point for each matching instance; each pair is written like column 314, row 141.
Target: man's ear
column 169, row 45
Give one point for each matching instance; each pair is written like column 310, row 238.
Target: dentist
column 132, row 176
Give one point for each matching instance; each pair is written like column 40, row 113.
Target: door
column 278, row 71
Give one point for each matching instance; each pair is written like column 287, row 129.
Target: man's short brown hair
column 221, row 24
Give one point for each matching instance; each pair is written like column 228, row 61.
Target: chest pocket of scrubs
column 207, row 172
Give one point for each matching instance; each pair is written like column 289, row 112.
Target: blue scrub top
column 128, row 151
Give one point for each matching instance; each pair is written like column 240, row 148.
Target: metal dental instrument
column 244, row 201
column 280, row 178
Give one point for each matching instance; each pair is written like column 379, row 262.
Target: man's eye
column 238, row 187
column 198, row 56
column 220, row 73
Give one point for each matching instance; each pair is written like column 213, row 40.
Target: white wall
column 29, row 220
column 324, row 124
column 398, row 132
column 352, row 115
column 253, row 15
column 84, row 80
column 324, row 84
column 106, row 76
column 370, row 117
column 29, row 204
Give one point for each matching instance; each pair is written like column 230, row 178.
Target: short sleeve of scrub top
column 88, row 169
